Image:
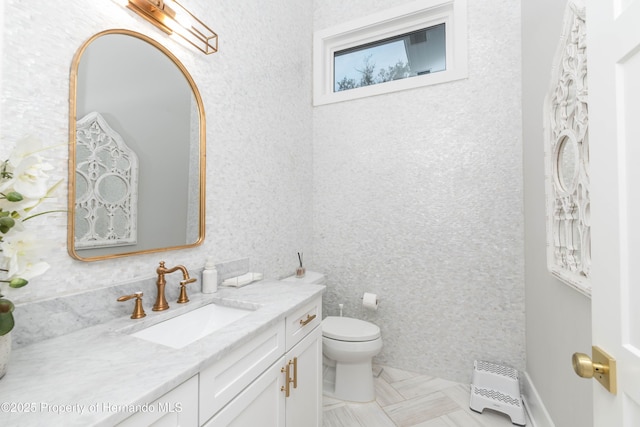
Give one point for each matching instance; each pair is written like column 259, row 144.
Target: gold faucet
column 161, row 300
column 138, row 311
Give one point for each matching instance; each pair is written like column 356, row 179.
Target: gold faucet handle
column 138, row 311
column 183, row 290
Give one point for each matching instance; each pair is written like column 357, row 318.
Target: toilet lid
column 349, row 329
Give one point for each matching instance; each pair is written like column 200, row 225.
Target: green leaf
column 6, row 317
column 6, row 323
column 14, row 196
column 18, row 282
column 7, row 222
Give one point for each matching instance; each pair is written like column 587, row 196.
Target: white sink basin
column 182, row 330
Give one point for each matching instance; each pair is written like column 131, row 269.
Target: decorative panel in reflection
column 106, row 186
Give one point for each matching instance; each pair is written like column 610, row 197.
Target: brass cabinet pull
column 286, row 387
column 295, row 372
column 307, row 320
column 288, row 380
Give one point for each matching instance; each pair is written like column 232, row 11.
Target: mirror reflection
column 567, row 163
column 136, row 180
column 106, row 186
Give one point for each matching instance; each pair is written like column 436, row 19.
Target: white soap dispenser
column 209, row 277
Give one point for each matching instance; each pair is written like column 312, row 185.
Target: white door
column 613, row 54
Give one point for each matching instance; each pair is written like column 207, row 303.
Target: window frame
column 390, row 23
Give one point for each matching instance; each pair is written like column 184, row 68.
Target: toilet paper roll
column 370, row 301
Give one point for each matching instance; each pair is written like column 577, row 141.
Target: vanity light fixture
column 173, row 18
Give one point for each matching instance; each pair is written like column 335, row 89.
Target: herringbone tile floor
column 406, row 399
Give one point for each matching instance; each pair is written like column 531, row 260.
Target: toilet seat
column 349, row 329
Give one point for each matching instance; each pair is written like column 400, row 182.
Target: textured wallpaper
column 418, row 198
column 257, row 97
column 416, row 195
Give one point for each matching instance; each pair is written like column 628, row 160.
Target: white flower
column 23, row 186
column 28, row 169
column 24, row 251
column 25, row 147
column 26, row 175
column 30, row 178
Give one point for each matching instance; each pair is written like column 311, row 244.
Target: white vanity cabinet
column 239, row 391
column 304, row 358
column 177, row 408
column 235, row 376
column 273, row 380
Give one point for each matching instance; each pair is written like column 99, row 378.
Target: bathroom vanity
column 263, row 369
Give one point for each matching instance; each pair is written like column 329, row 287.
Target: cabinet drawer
column 226, row 378
column 302, row 321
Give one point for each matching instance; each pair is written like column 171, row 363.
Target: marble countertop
column 82, row 378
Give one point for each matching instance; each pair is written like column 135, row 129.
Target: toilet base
column 349, row 381
column 351, row 359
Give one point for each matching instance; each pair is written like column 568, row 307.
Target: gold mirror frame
column 72, row 150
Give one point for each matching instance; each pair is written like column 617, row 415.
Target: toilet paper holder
column 370, row 301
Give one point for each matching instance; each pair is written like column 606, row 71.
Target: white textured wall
column 416, row 195
column 558, row 317
column 418, row 198
column 257, row 98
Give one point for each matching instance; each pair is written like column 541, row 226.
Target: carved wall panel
column 567, row 157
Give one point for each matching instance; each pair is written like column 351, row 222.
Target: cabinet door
column 260, row 404
column 304, row 404
column 179, row 407
column 221, row 382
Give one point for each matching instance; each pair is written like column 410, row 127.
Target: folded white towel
column 240, row 281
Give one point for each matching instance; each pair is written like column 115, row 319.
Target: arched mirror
column 137, row 151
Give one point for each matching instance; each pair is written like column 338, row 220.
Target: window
column 400, row 57
column 419, row 44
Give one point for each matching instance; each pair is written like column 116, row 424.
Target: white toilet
column 348, row 346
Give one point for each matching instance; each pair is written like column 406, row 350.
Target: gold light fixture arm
column 171, row 17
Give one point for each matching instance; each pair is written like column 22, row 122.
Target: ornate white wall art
column 106, row 186
column 567, row 157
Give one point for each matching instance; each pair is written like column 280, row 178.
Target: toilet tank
column 310, row 278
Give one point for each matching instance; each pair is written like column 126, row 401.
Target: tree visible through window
column 407, row 55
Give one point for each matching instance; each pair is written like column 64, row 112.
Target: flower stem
column 42, row 213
